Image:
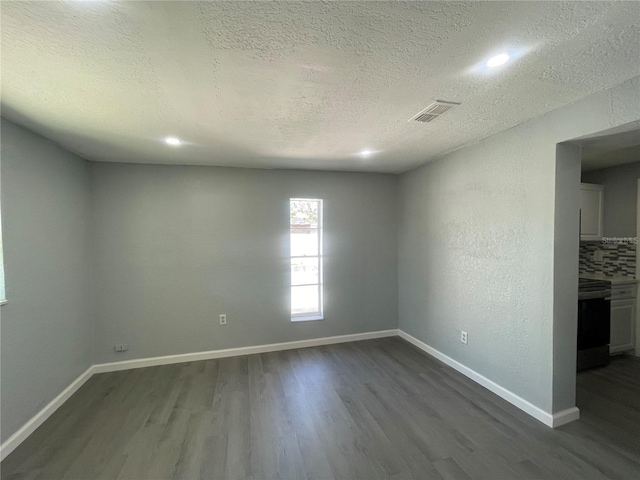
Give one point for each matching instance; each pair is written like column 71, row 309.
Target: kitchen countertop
column 616, row 280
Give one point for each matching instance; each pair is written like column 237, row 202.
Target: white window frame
column 319, row 315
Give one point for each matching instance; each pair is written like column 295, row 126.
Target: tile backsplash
column 617, row 260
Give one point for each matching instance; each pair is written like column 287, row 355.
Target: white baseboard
column 565, row 416
column 28, row 428
column 234, row 352
column 551, row 420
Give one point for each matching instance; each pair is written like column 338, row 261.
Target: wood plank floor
column 362, row 410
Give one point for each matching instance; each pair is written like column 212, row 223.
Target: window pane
column 305, row 300
column 304, row 271
column 304, row 213
column 304, row 241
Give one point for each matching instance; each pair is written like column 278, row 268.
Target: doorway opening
column 596, row 253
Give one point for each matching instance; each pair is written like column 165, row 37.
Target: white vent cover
column 433, row 111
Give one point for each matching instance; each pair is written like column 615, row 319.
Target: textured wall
column 176, row 246
column 620, row 197
column 46, row 325
column 476, row 249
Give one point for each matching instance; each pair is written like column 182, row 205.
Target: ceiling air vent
column 433, row 111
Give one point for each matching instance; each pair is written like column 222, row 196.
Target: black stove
column 594, row 321
column 592, row 288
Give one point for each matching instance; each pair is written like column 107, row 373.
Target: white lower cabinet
column 623, row 314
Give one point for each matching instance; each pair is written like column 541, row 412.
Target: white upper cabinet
column 590, row 211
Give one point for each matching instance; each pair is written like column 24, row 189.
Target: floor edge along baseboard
column 234, row 352
column 555, row 420
column 11, row 443
column 550, row 420
column 39, row 418
column 565, row 416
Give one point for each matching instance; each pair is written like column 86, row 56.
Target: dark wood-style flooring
column 362, row 410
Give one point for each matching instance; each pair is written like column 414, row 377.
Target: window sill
column 3, row 302
column 307, row 318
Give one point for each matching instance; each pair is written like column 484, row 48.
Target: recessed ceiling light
column 173, row 141
column 498, row 60
column 366, row 153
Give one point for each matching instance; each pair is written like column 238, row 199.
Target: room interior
column 152, row 324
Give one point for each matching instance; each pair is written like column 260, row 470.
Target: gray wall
column 476, row 249
column 45, row 328
column 566, row 253
column 176, row 246
column 620, row 197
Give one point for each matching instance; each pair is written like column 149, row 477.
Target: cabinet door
column 622, row 323
column 590, row 211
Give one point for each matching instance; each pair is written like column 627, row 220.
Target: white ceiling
column 300, row 85
column 611, row 149
column 612, row 158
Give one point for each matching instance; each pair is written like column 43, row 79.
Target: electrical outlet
column 463, row 337
column 121, row 347
column 598, row 256
column 223, row 319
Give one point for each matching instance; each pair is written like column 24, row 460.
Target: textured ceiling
column 300, row 85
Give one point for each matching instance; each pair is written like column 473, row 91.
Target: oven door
column 594, row 327
column 594, row 323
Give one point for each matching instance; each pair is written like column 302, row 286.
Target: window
column 305, row 234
